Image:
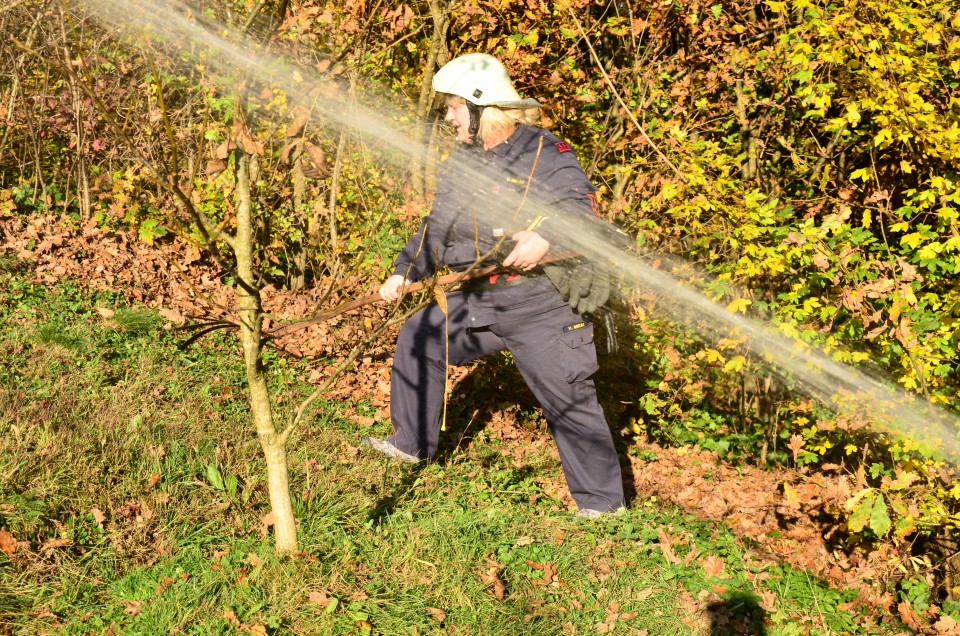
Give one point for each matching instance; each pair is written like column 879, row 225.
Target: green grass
column 131, row 475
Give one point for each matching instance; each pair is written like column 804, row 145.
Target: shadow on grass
column 391, row 495
column 738, row 614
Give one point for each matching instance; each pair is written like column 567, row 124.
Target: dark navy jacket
column 484, row 197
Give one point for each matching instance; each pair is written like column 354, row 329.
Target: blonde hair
column 495, row 121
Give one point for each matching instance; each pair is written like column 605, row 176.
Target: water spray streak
column 176, row 23
column 843, row 388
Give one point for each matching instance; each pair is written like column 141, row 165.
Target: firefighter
column 503, row 193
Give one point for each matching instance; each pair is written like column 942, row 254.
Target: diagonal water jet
column 842, row 387
column 173, row 23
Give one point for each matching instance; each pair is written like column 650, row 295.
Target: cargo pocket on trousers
column 578, row 353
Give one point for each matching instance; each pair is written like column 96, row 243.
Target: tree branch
column 616, row 93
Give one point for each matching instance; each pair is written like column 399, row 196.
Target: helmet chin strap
column 475, row 113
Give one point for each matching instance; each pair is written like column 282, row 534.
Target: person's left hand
column 530, row 248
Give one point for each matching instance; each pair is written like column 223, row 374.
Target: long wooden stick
column 447, row 279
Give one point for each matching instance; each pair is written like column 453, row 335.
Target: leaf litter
column 779, row 509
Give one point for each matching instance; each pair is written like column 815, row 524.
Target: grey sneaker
column 590, row 513
column 587, row 513
column 389, row 449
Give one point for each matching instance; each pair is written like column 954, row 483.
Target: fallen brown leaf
column 796, row 445
column 947, row 626
column 98, row 516
column 133, row 607
column 364, row 420
column 492, row 579
column 499, row 588
column 768, row 600
column 713, row 565
column 165, row 584
column 265, row 524
column 666, row 546
column 318, row 598
column 549, row 573
column 908, row 616
column 53, row 544
column 8, row 545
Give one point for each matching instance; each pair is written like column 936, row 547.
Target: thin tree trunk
column 15, row 82
column 748, row 138
column 437, row 55
column 251, row 337
column 299, row 246
column 83, row 183
column 334, row 262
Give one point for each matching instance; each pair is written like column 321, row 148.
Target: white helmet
column 480, row 79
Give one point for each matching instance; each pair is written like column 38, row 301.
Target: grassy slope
column 132, row 480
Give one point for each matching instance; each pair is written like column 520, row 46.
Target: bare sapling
column 235, row 240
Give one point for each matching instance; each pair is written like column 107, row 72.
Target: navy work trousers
column 554, row 352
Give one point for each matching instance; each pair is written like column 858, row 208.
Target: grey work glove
column 559, row 275
column 583, row 284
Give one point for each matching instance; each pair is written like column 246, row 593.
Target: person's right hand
column 393, row 288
